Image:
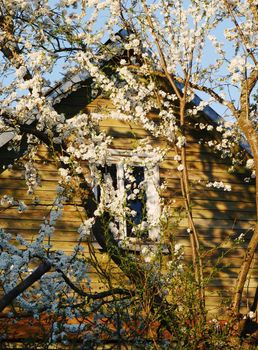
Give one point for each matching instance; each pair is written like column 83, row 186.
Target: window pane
column 107, row 170
column 136, row 201
column 136, row 196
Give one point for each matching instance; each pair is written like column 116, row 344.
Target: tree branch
column 96, row 296
column 13, row 53
column 213, row 94
column 133, row 270
column 245, row 267
column 25, row 284
column 162, row 58
column 247, row 87
column 254, row 10
column 240, row 32
column 31, row 129
column 248, row 128
column 195, row 86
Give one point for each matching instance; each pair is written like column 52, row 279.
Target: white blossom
column 180, row 167
column 250, row 164
column 219, row 185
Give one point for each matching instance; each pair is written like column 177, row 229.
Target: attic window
column 130, row 190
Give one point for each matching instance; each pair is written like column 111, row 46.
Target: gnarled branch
column 25, row 284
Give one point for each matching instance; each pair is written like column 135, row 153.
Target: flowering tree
column 160, row 63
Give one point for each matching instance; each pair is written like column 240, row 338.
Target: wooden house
column 220, row 216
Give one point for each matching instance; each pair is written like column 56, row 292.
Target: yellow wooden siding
column 27, row 223
column 218, row 215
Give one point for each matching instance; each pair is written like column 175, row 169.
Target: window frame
column 152, row 180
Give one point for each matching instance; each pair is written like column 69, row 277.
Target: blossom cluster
column 8, row 201
column 219, row 185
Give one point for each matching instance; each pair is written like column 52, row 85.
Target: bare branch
column 245, row 267
column 95, row 296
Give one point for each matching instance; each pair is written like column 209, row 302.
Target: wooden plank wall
column 218, row 215
column 27, row 224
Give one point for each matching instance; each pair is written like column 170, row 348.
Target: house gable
column 219, row 215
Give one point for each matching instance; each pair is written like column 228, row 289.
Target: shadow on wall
column 221, row 217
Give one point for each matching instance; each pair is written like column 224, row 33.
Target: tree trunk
column 248, row 128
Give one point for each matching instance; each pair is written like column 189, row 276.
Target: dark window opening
column 107, row 170
column 138, row 204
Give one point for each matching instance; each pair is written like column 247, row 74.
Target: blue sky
column 208, row 58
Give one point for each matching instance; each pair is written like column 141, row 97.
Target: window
column 128, row 188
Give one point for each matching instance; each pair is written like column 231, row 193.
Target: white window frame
column 151, row 176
